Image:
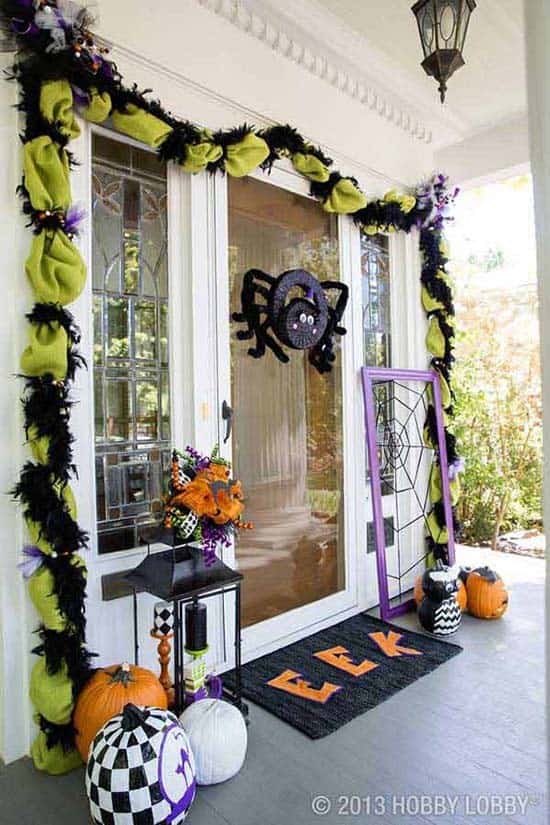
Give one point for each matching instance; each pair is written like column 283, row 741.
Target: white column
column 15, row 612
column 537, row 19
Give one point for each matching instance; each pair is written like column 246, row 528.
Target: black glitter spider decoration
column 276, row 314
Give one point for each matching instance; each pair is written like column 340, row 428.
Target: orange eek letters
column 339, row 657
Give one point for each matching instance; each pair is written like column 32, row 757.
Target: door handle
column 227, row 415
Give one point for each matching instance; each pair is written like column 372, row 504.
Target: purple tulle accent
column 214, row 535
column 80, row 97
column 75, row 215
column 61, row 20
column 456, row 467
column 22, row 27
column 434, row 196
column 34, row 559
column 215, row 687
column 106, row 69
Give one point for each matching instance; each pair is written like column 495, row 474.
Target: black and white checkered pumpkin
column 140, row 770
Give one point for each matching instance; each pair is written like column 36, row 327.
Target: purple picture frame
column 369, row 375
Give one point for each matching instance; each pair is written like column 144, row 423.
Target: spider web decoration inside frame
column 412, row 471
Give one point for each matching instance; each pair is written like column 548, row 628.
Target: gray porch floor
column 473, row 727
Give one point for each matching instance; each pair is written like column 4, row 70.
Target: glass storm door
column 287, row 418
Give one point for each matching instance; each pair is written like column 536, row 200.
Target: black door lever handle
column 227, row 415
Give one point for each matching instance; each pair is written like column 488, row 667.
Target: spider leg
column 250, row 309
column 322, row 356
column 261, row 276
column 249, row 291
column 254, row 316
column 251, row 288
column 263, row 339
column 341, row 303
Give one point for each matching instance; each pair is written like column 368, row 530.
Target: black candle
column 195, row 627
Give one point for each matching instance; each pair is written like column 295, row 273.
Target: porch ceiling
column 489, row 90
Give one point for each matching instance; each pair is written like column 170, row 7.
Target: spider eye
column 303, row 318
column 310, row 320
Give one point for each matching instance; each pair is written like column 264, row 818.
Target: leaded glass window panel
column 375, row 270
column 131, row 339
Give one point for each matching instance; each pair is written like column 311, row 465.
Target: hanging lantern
column 443, row 25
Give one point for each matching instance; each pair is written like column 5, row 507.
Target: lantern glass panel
column 463, row 25
column 447, row 23
column 427, row 30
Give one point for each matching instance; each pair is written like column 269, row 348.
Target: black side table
column 179, row 575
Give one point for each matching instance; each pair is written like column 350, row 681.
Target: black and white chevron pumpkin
column 440, row 618
column 439, row 612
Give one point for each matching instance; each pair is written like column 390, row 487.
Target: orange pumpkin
column 461, row 595
column 107, row 693
column 487, row 594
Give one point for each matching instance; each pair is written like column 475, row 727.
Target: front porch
column 473, row 727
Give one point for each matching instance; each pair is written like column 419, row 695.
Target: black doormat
column 322, row 682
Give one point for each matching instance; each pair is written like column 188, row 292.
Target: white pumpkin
column 218, row 738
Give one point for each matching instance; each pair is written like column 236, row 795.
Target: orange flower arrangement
column 202, row 486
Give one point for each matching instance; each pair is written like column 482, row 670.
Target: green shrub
column 498, row 427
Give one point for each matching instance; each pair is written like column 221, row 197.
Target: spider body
column 276, row 313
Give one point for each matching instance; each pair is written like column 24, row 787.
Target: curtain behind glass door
column 287, row 437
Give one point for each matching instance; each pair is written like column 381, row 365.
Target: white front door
column 293, row 439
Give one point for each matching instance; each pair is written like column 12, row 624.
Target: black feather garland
column 439, row 513
column 46, row 410
column 438, row 551
column 70, row 588
column 63, row 735
column 174, row 147
column 284, row 139
column 75, row 361
column 321, row 191
column 225, row 138
column 65, row 649
column 386, row 215
column 54, row 313
column 43, row 505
